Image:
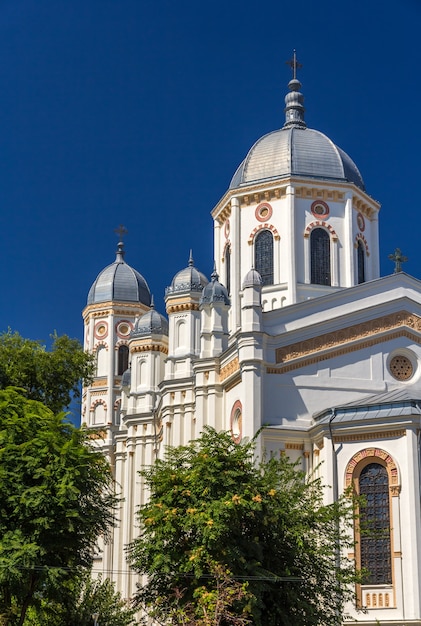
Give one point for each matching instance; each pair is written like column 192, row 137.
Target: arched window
column 374, row 522
column 361, row 262
column 263, row 256
column 123, row 360
column 228, row 269
column 101, row 361
column 320, row 257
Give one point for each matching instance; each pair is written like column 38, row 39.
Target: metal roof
column 296, row 151
column 187, row 280
column 120, row 283
column 396, row 403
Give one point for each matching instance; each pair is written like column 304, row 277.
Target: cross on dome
column 294, row 65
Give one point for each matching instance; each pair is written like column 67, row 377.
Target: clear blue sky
column 139, row 111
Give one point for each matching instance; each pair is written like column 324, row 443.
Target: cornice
column 274, row 190
column 181, row 306
column 229, row 369
column 149, row 347
column 345, row 340
column 102, row 309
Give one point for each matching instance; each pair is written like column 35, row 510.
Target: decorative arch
column 99, row 411
column 256, row 230
column 321, row 224
column 236, row 421
column 362, row 458
column 360, row 238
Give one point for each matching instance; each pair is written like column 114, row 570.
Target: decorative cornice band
column 187, row 306
column 150, row 347
column 403, row 323
column 229, row 369
column 387, row 434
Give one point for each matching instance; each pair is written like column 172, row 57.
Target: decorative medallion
column 361, row 222
column 263, row 212
column 227, row 228
column 101, row 330
column 320, row 209
column 401, row 367
column 123, row 328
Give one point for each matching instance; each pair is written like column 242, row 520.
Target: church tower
column 297, row 211
column 118, row 296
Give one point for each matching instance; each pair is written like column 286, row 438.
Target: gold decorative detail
column 270, row 227
column 395, row 490
column 316, row 452
column 409, row 324
column 186, row 306
column 366, row 454
column 401, row 367
column 150, row 347
column 229, row 369
column 99, row 382
column 306, row 454
column 360, row 237
column 294, row 446
column 386, row 434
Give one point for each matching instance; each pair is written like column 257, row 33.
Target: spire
column 120, row 231
column 152, row 302
column 294, row 101
column 214, row 275
column 191, row 262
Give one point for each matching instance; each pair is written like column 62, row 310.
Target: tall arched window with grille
column 228, row 269
column 320, row 257
column 360, row 262
column 263, row 256
column 123, row 360
column 375, row 524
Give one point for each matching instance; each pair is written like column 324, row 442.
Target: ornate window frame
column 334, row 256
column 376, row 596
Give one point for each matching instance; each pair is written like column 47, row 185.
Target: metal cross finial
column 398, row 258
column 121, row 231
column 294, row 65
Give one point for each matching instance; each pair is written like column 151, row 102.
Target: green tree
column 265, row 523
column 49, row 376
column 56, row 499
column 77, row 599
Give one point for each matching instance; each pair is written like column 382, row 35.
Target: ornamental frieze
column 357, row 332
column 228, row 369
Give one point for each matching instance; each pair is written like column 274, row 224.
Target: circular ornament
column 123, row 328
column 237, row 422
column 227, row 229
column 263, row 212
column 401, row 367
column 101, row 330
column 320, row 209
column 361, row 222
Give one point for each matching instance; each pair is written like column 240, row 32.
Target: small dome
column 126, row 378
column 151, row 323
column 214, row 291
column 119, row 282
column 188, row 279
column 252, row 279
column 296, row 150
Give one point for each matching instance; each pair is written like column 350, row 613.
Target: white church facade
column 296, row 334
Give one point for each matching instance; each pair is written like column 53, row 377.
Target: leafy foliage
column 56, row 499
column 77, row 600
column 266, row 524
column 51, row 377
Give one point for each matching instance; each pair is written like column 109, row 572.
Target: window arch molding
column 333, row 256
column 373, row 473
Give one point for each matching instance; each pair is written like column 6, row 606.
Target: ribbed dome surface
column 151, row 323
column 188, row 279
column 252, row 279
column 215, row 291
column 119, row 282
column 296, row 151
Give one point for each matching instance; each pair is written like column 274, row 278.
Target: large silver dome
column 296, row 150
column 119, row 282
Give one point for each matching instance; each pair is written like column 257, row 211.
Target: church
column 295, row 333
